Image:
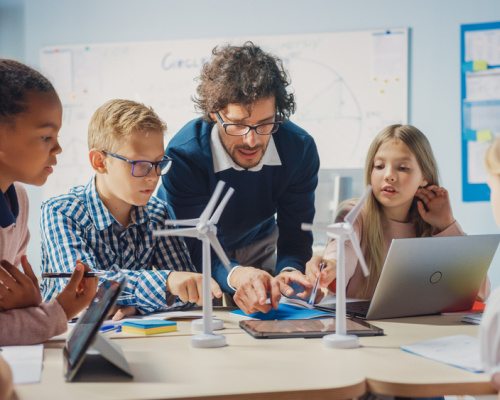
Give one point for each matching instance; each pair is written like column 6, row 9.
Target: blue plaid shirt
column 77, row 225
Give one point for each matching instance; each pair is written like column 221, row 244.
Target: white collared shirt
column 223, row 161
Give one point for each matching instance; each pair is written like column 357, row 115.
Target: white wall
column 434, row 54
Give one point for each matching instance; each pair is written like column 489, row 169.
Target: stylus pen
column 315, row 289
column 88, row 274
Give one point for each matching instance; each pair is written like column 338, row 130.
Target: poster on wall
column 480, row 79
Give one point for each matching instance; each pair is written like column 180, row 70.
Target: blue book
column 148, row 323
column 285, row 311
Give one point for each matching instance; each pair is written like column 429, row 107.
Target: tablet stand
column 111, row 352
column 104, row 361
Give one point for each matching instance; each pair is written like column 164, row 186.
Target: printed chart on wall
column 480, row 76
column 348, row 86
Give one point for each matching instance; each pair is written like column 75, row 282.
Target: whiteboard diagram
column 347, row 85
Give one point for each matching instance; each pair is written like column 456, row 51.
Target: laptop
column 423, row 276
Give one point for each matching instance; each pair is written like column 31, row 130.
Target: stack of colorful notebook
column 149, row 326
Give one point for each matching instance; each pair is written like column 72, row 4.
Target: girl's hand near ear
column 437, row 210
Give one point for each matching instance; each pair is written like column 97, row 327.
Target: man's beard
column 247, row 148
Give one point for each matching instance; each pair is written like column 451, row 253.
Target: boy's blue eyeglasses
column 142, row 168
column 242, row 130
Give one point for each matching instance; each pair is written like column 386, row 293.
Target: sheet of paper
column 388, row 59
column 482, row 45
column 475, row 169
column 483, row 85
column 25, row 362
column 461, row 351
column 57, row 66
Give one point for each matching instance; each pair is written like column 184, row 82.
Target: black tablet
column 86, row 331
column 306, row 328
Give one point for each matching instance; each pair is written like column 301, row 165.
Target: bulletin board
column 347, row 85
column 480, row 91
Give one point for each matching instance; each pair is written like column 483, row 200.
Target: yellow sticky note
column 484, row 136
column 479, row 65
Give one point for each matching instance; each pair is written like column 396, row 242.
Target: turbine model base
column 197, row 324
column 205, row 341
column 336, row 341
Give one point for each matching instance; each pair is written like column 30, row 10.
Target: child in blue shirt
column 111, row 220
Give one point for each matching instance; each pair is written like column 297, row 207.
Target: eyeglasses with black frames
column 141, row 168
column 242, row 130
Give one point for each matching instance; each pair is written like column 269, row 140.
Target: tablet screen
column 306, row 328
column 82, row 336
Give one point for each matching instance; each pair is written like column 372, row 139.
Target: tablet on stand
column 86, row 345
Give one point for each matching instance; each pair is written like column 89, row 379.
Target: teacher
column 245, row 138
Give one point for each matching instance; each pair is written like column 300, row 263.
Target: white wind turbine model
column 205, row 230
column 343, row 231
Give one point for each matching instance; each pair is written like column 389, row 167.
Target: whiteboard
column 348, row 86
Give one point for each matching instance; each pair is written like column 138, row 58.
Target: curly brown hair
column 242, row 75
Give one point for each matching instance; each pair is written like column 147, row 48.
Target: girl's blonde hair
column 492, row 158
column 374, row 219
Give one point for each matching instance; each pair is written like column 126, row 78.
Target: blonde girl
column 406, row 201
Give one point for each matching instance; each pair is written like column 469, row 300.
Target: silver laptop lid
column 430, row 275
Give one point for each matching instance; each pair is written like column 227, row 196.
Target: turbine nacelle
column 340, row 228
column 203, row 228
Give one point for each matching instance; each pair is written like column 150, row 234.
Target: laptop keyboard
column 354, row 309
column 358, row 308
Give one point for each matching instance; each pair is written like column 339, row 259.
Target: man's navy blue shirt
column 282, row 195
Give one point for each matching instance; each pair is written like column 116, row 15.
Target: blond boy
column 111, row 220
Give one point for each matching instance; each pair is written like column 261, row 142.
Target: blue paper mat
column 286, row 311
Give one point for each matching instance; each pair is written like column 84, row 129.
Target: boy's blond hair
column 492, row 158
column 115, row 120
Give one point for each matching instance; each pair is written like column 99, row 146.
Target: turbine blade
column 353, row 214
column 218, row 249
column 312, row 227
column 207, row 212
column 357, row 249
column 182, row 222
column 191, row 232
column 220, row 208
